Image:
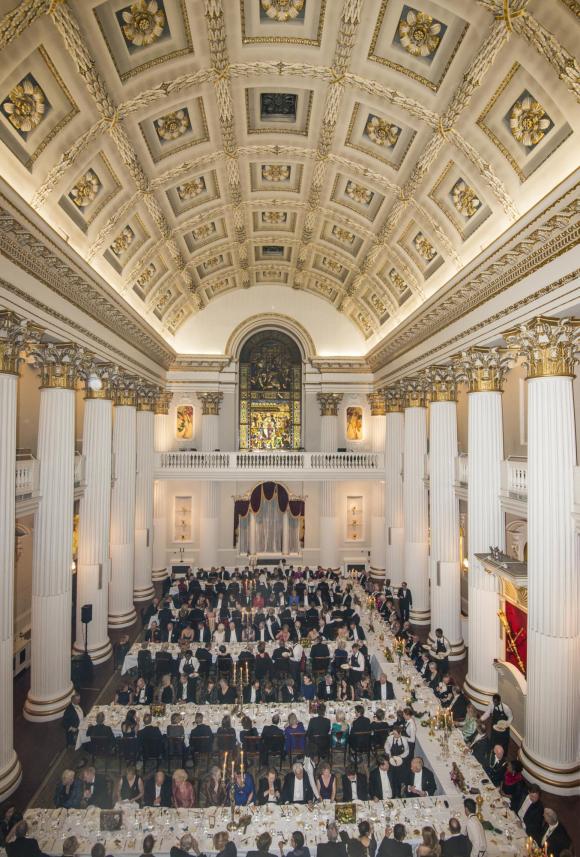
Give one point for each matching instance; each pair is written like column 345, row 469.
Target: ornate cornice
column 37, row 255
column 548, row 345
column 200, row 362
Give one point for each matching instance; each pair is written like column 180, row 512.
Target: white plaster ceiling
column 360, row 151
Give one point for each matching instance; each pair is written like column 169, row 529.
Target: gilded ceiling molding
column 19, row 19
column 267, row 321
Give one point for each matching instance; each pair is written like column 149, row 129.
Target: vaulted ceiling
column 361, row 150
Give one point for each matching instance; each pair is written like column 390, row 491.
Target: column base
column 479, row 696
column 419, row 617
column 123, row 620
column 10, row 777
column 145, row 594
column 556, row 780
column 378, row 575
column 98, row 653
column 157, row 576
column 44, row 710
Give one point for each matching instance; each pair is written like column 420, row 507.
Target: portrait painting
column 354, row 423
column 184, row 422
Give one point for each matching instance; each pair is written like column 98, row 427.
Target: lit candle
column 225, row 763
column 242, row 762
column 233, row 768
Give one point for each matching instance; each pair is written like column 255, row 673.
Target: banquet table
column 52, row 827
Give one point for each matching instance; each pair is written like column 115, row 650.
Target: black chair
column 200, row 747
column 103, row 749
column 129, row 750
column 145, row 666
column 320, row 666
column 176, row 749
column 272, row 745
column 319, row 747
column 226, row 742
column 252, row 747
column 340, row 747
column 153, row 749
column 360, row 745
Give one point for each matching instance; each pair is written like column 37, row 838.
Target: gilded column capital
column 98, row 379
column 61, row 364
column 441, row 383
column 146, row 396
column 124, row 390
column 329, row 403
column 548, row 345
column 393, row 400
column 414, row 392
column 210, row 403
column 378, row 403
column 483, row 369
column 17, row 335
column 162, row 402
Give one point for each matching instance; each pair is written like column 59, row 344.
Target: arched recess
column 270, row 321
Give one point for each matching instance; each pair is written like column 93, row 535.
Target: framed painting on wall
column 184, row 422
column 354, row 423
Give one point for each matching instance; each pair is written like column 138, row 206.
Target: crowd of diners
column 294, row 613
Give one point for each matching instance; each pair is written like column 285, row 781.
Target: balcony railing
column 514, row 478
column 193, row 463
column 79, row 469
column 462, row 469
column 27, row 472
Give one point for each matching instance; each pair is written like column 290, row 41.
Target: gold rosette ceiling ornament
column 144, row 23
column 282, row 10
column 465, row 199
column 173, row 125
column 25, row 106
column 528, row 121
column 419, row 34
column 381, row 132
column 86, row 189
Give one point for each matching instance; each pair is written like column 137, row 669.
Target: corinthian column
column 378, row 529
column 13, row 336
column 94, row 562
column 121, row 609
column 210, row 491
column 162, row 443
column 484, row 369
column 444, row 568
column 394, row 445
column 143, row 588
column 328, row 558
column 416, row 547
column 551, row 748
column 50, row 684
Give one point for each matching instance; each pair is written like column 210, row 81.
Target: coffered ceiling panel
column 364, row 151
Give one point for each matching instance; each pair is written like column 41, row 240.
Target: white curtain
column 270, row 531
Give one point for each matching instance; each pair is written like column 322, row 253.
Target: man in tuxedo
column 395, row 846
column 263, row 635
column 530, row 810
column 201, row 736
column 94, row 789
column 319, row 655
column 99, row 729
column 318, row 728
column 186, row 688
column 458, row 844
column 334, row 847
column 233, row 633
column 420, row 780
column 297, row 788
column 383, row 781
column 71, row 719
column 356, row 633
column 354, row 786
column 326, row 689
column 361, row 723
column 383, row 689
column 495, row 768
column 157, row 791
column 271, row 735
column 480, row 746
column 555, row 837
column 405, row 601
column 149, row 734
column 458, row 704
column 19, row 845
column 226, row 694
column 252, row 693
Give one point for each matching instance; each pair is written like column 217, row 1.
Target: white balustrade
column 79, row 469
column 203, row 463
column 26, row 477
column 515, row 477
column 462, row 469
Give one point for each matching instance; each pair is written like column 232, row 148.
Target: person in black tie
column 383, row 689
column 530, row 811
column 496, row 765
column 272, row 738
column 354, row 786
column 319, row 655
column 19, row 845
column 383, row 781
column 420, row 780
column 226, row 694
column 252, row 693
column 157, row 790
column 395, row 846
column 405, row 601
column 457, row 844
column 554, row 836
column 71, row 719
column 334, row 847
column 356, row 633
column 318, row 729
column 326, row 689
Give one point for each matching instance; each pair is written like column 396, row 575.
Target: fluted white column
column 394, row 515
column 162, row 443
column 50, row 679
column 12, row 332
column 143, row 588
column 551, row 747
column 210, row 490
column 444, row 556
column 121, row 609
column 484, row 370
column 378, row 525
column 329, row 528
column 94, row 561
column 415, row 504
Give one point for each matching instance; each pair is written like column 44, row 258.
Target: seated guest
column 383, row 781
column 365, row 844
column 430, row 845
column 201, row 736
column 244, row 789
column 153, row 634
column 175, row 728
column 344, row 690
column 294, row 735
column 334, row 847
column 480, row 746
column 514, row 785
column 269, row 694
column 307, row 690
column 70, row 847
column 186, row 688
column 554, row 837
column 297, row 846
column 10, row 818
column 458, row 704
column 148, row 845
column 226, row 734
column 224, row 661
column 149, row 734
column 419, row 780
column 213, row 790
column 129, row 787
column 157, row 790
column 354, row 785
column 469, row 725
column 326, row 783
column 94, row 789
column 395, row 847
column 379, row 730
column 339, row 730
column 340, row 658
column 433, row 676
column 496, row 765
column 269, row 788
column 326, row 689
column 18, row 844
column 263, row 843
column 208, row 694
column 288, row 692
column 252, row 693
column 248, row 730
column 363, row 689
column 318, row 728
column 297, row 787
column 67, row 794
column 163, row 661
column 272, row 738
column 142, row 692
column 356, row 633
column 182, row 790
column 71, row 719
column 123, row 695
column 457, row 844
column 99, row 729
column 226, row 694
column 165, row 692
column 187, row 847
column 361, row 722
column 383, row 689
column 530, row 811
